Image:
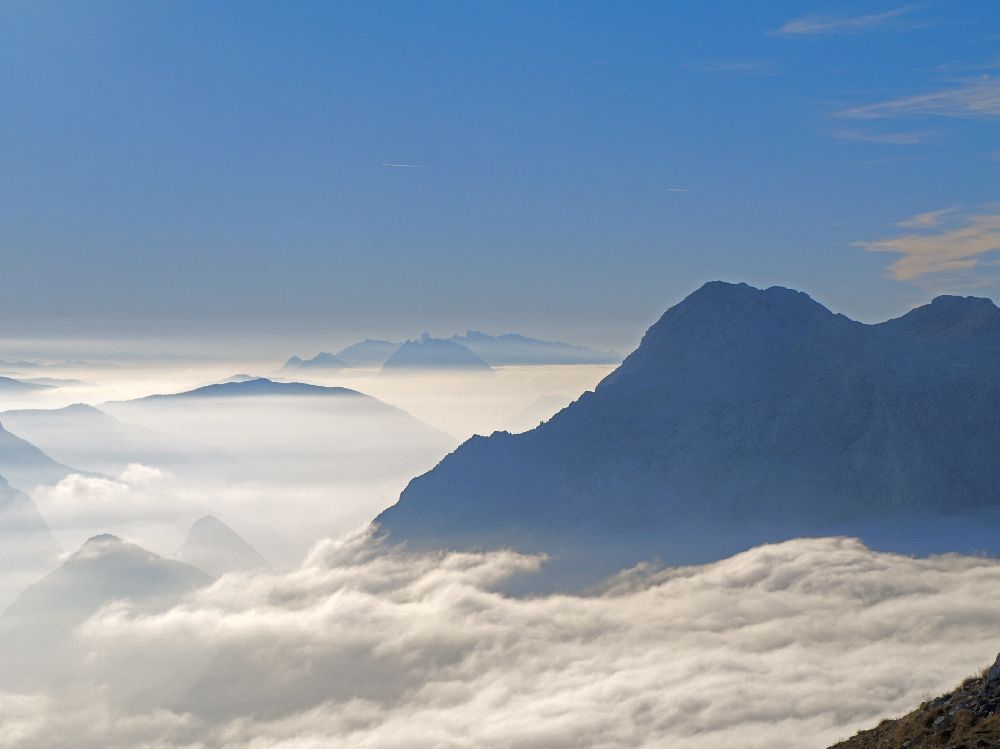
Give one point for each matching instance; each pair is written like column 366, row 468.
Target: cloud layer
column 791, row 645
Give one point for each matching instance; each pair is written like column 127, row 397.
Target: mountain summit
column 745, row 415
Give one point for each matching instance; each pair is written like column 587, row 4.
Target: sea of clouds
column 790, row 645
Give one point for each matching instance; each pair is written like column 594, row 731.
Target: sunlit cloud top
column 941, row 241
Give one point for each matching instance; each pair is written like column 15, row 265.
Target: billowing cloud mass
column 790, row 645
column 940, row 241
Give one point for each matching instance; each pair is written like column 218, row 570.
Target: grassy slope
column 966, row 718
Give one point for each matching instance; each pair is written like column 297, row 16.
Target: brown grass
column 974, row 722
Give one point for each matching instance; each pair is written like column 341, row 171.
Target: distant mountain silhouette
column 88, row 438
column 744, row 416
column 428, row 353
column 27, row 546
column 368, row 353
column 10, row 385
column 322, row 360
column 20, row 516
column 52, row 382
column 214, row 547
column 515, row 349
column 26, row 466
column 104, row 569
column 291, row 430
column 507, row 349
column 36, row 629
column 260, row 386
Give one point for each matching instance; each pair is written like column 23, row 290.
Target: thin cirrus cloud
column 978, row 98
column 732, row 67
column 940, row 241
column 891, row 139
column 834, row 24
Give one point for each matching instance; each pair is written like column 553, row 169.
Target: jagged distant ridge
column 322, row 361
column 428, row 353
column 517, row 349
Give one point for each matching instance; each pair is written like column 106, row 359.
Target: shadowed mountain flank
column 745, row 415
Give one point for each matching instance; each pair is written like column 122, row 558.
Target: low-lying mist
column 784, row 646
column 282, row 471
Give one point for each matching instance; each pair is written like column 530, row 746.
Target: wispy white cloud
column 678, row 189
column 926, row 220
column 941, row 241
column 403, row 166
column 967, row 67
column 893, row 139
column 836, row 24
column 974, row 98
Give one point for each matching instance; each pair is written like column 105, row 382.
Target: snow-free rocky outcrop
column 744, row 416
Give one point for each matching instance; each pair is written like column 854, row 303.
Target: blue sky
column 572, row 169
